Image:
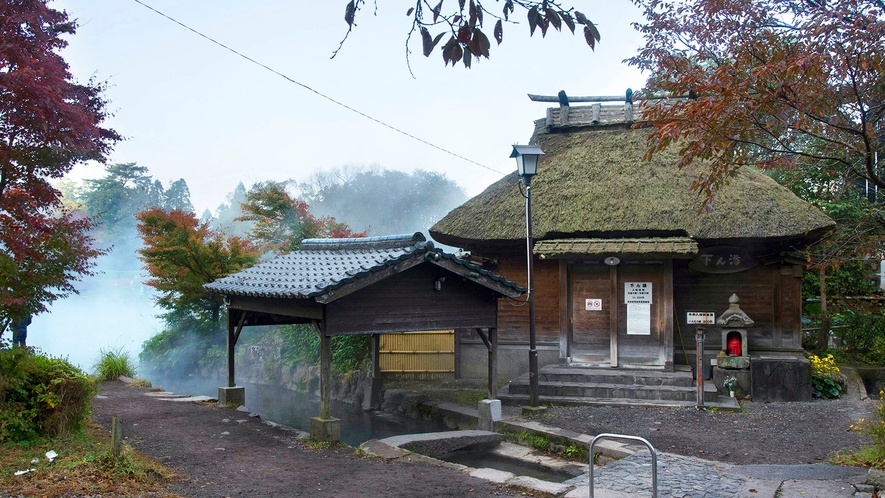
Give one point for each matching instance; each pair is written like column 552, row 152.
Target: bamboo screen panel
column 418, row 355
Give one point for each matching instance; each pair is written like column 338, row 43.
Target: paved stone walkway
column 687, row 477
column 678, row 476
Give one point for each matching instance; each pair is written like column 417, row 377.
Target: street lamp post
column 527, row 167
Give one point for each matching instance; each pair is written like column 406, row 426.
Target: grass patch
column 84, row 466
column 313, row 444
column 141, row 383
column 112, row 363
column 871, row 456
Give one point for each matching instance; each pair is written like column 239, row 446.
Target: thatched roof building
column 628, row 261
column 592, row 183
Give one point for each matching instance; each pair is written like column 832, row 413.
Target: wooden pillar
column 325, row 375
column 613, row 315
column 375, row 344
column 493, row 363
column 231, row 342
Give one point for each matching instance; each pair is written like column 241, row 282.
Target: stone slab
column 792, row 488
column 325, row 429
column 191, row 399
column 440, row 444
column 780, row 378
column 231, row 396
column 489, row 412
column 759, row 488
column 553, row 488
column 493, row 475
column 383, row 450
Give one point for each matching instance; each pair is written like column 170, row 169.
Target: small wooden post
column 325, row 376
column 116, row 436
column 493, row 363
column 231, row 342
column 699, row 338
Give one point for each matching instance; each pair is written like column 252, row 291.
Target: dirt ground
column 222, row 452
column 762, row 433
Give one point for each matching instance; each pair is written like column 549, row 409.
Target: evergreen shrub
column 41, row 396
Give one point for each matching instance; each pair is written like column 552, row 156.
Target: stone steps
column 570, row 385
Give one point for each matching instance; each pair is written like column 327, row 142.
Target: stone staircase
column 577, row 385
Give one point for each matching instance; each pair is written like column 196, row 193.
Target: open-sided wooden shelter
column 371, row 285
column 627, row 263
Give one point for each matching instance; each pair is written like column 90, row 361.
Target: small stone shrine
column 734, row 358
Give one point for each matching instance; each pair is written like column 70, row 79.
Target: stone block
column 876, row 478
column 533, row 411
column 744, row 383
column 489, row 412
column 733, row 362
column 780, row 377
column 372, row 396
column 325, row 429
column 231, row 396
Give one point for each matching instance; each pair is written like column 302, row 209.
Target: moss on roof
column 593, row 183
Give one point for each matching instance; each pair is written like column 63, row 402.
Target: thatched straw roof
column 592, row 183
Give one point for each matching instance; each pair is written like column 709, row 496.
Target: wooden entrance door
column 616, row 334
column 642, row 329
column 590, row 330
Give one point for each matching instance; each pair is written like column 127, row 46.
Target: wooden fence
column 418, row 355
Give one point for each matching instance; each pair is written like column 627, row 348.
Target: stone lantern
column 734, row 358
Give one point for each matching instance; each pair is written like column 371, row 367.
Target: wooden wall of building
column 770, row 295
column 513, row 320
column 408, row 301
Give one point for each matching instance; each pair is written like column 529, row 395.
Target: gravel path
column 763, row 433
column 222, row 452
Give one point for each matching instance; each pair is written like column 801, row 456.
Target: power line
column 302, row 85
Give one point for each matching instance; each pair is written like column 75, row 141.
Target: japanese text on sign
column 637, row 292
column 720, row 260
column 700, row 318
column 638, row 319
column 593, row 304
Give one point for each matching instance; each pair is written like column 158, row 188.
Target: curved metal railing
column 654, row 459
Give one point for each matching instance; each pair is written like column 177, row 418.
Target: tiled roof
column 323, row 265
column 651, row 245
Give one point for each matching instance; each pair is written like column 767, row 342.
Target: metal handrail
column 654, row 459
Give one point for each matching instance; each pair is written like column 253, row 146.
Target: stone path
column 678, row 476
column 686, row 477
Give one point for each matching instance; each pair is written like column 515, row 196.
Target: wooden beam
column 485, row 339
column 239, row 327
column 351, row 287
column 478, row 277
column 231, row 341
column 325, row 372
column 305, row 308
column 493, row 363
column 668, row 311
column 601, row 98
column 613, row 315
column 563, row 309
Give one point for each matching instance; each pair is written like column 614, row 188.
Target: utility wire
column 302, row 85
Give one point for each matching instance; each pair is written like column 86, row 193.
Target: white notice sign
column 637, row 292
column 638, row 319
column 593, row 304
column 700, row 318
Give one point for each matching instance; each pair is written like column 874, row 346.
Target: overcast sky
column 192, row 110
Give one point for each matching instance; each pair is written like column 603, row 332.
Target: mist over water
column 113, row 310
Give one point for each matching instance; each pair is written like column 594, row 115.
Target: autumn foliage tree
column 462, row 24
column 180, row 255
column 48, row 123
column 770, row 83
column 281, row 221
